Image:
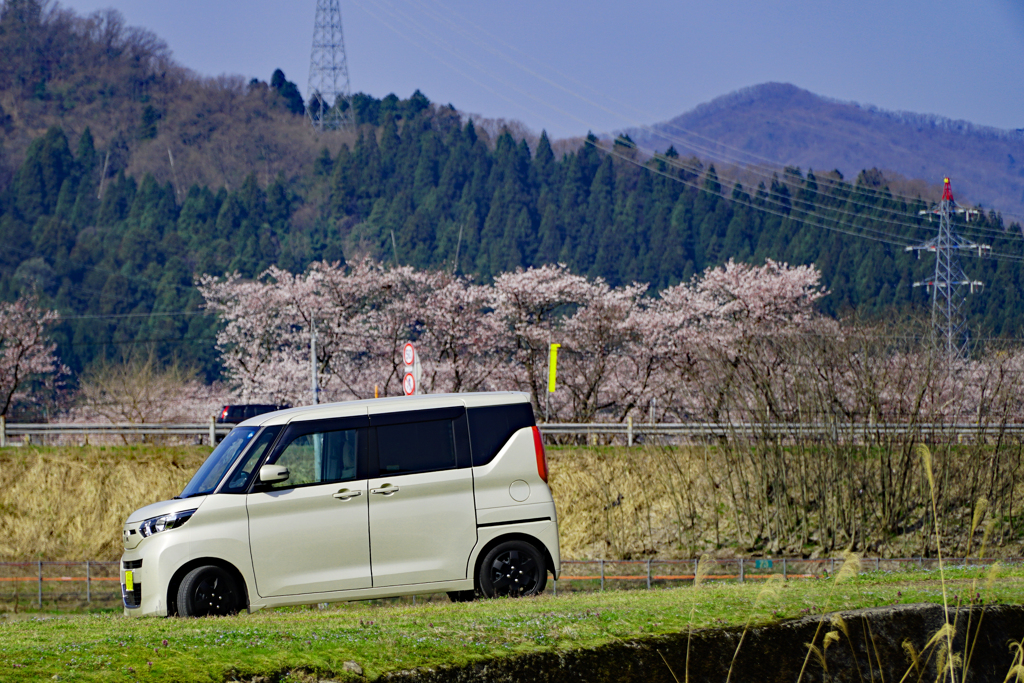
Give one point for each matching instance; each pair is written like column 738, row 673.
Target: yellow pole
column 552, row 371
column 552, row 367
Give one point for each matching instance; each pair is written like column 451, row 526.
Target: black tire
column 513, row 569
column 462, row 596
column 208, row 591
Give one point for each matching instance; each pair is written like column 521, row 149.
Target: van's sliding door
column 422, row 513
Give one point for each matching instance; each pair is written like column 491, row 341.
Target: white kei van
column 349, row 501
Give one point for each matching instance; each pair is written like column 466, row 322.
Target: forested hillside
column 116, row 249
column 146, row 113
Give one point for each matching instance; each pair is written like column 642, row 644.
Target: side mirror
column 270, row 474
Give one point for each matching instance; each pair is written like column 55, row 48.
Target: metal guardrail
column 629, row 429
column 617, row 428
column 15, row 430
column 789, row 430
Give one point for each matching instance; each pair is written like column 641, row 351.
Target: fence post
column 648, row 573
column 783, row 569
column 213, row 431
column 3, row 431
column 629, row 430
column 833, row 566
column 555, row 583
column 878, row 561
column 602, row 573
column 40, row 584
column 88, row 580
column 741, row 570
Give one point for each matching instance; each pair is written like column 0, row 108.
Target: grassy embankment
column 69, row 503
column 388, row 637
column 650, row 501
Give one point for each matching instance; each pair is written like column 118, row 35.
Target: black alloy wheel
column 208, row 591
column 512, row 569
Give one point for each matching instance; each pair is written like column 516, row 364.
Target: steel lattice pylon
column 950, row 285
column 329, row 94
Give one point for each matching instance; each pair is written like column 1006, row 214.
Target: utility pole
column 949, row 286
column 312, row 361
column 329, row 91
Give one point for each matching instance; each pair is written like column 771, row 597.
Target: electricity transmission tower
column 330, row 97
column 949, row 286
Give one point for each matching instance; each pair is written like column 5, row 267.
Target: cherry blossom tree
column 738, row 342
column 26, row 351
column 532, row 305
column 140, row 390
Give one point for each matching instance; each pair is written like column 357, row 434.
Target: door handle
column 345, row 494
column 386, row 491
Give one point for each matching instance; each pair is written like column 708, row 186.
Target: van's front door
column 422, row 512
column 310, row 533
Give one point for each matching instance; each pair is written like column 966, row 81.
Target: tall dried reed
column 796, row 496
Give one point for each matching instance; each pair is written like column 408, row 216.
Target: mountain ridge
column 779, row 124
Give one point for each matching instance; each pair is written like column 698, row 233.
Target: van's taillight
column 542, row 459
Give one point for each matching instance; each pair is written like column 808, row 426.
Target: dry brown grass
column 680, row 502
column 69, row 503
column 624, row 503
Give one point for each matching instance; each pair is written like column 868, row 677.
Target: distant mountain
column 794, row 127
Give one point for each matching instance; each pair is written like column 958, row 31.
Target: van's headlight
column 164, row 522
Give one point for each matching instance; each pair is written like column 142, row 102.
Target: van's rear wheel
column 512, row 569
column 208, row 591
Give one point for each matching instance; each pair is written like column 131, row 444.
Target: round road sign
column 409, row 354
column 409, row 384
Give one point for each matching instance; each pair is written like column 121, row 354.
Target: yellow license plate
column 129, row 581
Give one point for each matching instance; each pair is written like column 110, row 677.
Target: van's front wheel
column 512, row 569
column 208, row 591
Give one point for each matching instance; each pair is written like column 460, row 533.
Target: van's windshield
column 224, row 455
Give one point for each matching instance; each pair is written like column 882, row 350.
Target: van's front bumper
column 152, row 564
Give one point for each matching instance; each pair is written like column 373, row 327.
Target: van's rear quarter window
column 491, row 426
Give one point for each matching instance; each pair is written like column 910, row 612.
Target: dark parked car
column 237, row 413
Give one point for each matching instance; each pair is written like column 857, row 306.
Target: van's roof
column 386, row 405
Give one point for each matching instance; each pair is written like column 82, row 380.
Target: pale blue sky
column 604, row 65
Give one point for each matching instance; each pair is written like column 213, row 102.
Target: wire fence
column 42, row 585
column 591, row 575
column 55, row 585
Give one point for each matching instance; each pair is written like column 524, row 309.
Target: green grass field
column 392, row 636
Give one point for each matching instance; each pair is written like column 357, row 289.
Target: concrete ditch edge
column 770, row 653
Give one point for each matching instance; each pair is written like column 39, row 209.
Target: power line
column 734, row 155
column 135, row 315
column 447, row 47
column 884, row 237
column 881, row 235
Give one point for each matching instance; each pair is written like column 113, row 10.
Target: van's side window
column 322, row 458
column 243, row 470
column 491, row 426
column 416, row 447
